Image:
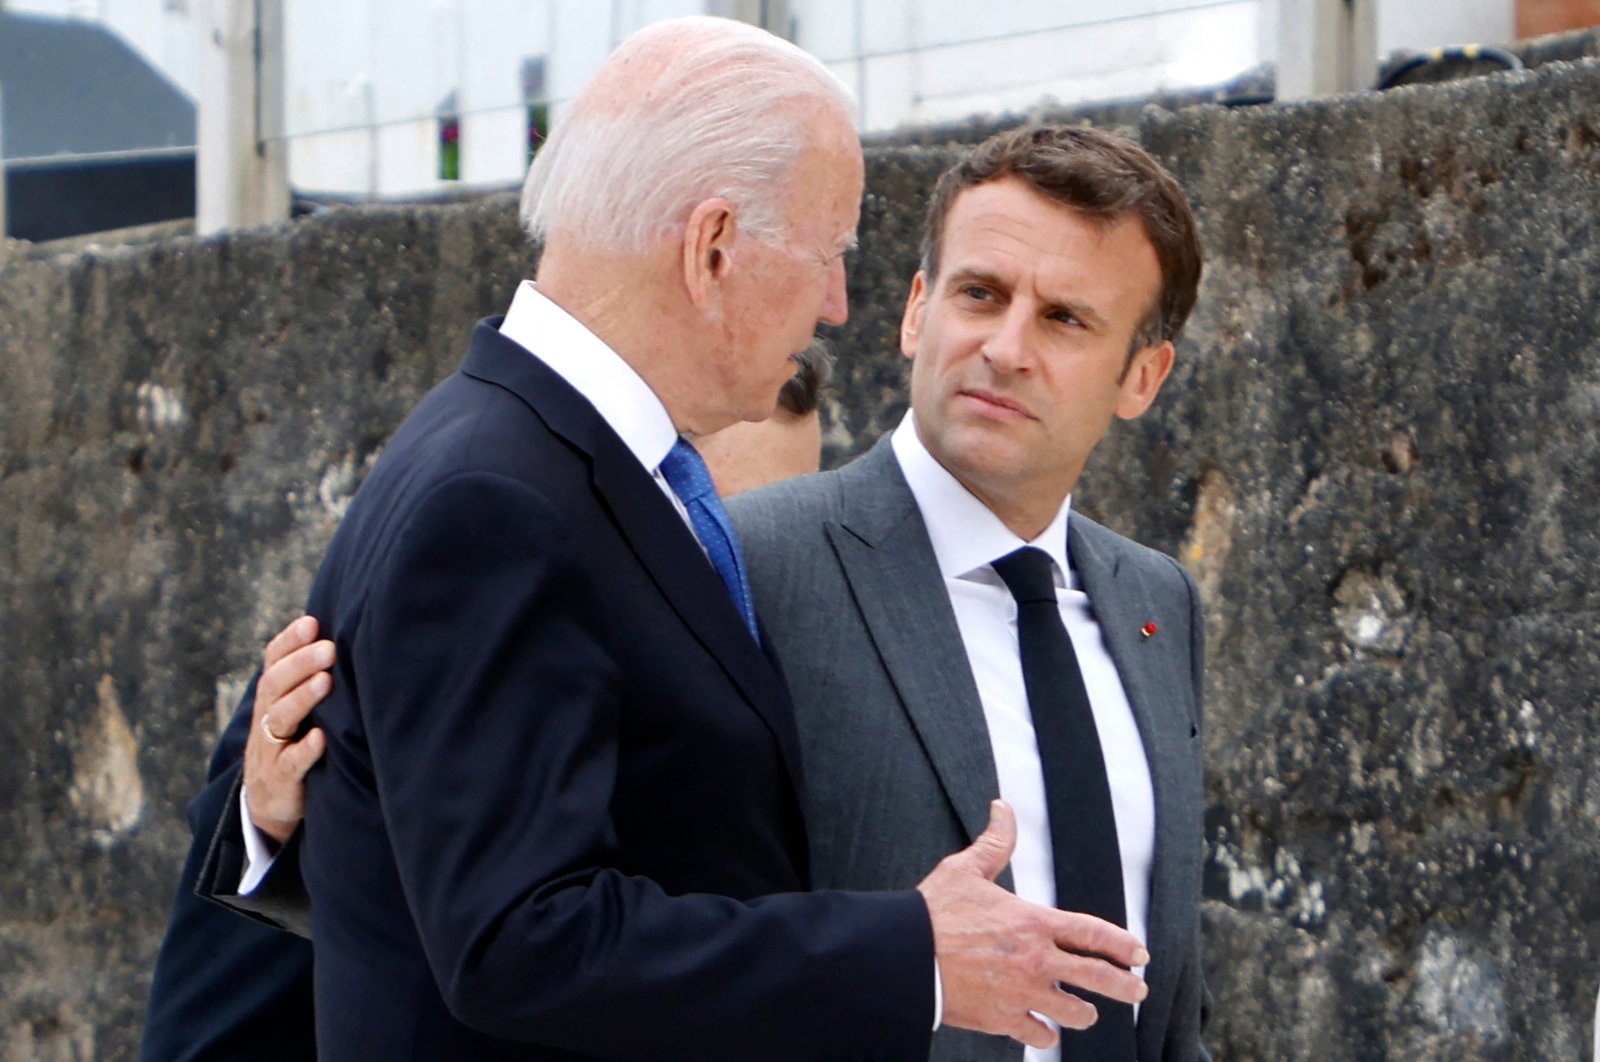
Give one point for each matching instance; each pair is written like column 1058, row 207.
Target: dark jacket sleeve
column 531, row 722
column 225, row 988
column 280, row 901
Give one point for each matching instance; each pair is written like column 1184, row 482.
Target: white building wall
column 1420, row 26
column 940, row 60
column 366, row 79
column 1410, row 25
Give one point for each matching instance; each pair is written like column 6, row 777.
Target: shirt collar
column 967, row 537
column 598, row 373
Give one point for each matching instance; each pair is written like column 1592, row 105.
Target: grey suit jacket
column 899, row 771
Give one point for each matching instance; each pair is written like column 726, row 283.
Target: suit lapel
column 1122, row 607
column 887, row 559
column 1153, row 673
column 663, row 543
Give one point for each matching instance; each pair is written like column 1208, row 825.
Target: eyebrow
column 839, row 248
column 1081, row 310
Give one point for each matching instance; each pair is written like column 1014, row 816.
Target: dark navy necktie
column 686, row 473
column 1083, row 826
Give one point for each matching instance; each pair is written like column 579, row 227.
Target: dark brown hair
column 812, row 368
column 1101, row 175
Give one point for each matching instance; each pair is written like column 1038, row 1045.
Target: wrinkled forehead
column 1009, row 233
column 1010, row 203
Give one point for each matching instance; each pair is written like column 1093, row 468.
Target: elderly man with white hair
column 559, row 811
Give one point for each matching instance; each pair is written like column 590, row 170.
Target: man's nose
column 1005, row 348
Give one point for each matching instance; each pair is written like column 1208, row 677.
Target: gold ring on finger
column 266, row 728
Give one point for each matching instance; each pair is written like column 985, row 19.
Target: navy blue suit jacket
column 562, row 780
column 226, row 988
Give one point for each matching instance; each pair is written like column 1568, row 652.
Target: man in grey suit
column 1059, row 267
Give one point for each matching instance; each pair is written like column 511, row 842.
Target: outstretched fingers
column 1086, row 936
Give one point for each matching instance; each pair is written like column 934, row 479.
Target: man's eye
column 1063, row 317
column 973, row 291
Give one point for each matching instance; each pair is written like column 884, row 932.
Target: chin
column 978, row 455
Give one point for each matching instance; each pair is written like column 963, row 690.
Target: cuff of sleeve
column 938, row 995
column 259, row 851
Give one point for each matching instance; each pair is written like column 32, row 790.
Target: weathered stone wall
column 1380, row 455
column 182, row 425
column 1383, row 462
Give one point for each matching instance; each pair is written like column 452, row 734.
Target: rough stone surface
column 183, row 424
column 1378, row 455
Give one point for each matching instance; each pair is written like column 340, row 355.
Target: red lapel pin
column 1149, row 629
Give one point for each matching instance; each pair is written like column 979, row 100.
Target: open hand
column 1001, row 958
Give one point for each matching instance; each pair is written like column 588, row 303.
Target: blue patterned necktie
column 687, row 475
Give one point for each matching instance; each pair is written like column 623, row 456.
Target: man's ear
column 911, row 319
column 708, row 241
column 1143, row 379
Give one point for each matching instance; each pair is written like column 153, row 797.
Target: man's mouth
column 996, row 405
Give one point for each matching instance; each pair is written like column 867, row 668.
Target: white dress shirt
column 967, row 537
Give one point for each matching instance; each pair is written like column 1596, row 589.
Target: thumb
column 992, row 850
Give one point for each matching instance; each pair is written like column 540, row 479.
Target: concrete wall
column 1379, row 455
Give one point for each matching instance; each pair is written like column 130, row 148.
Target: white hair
column 683, row 111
